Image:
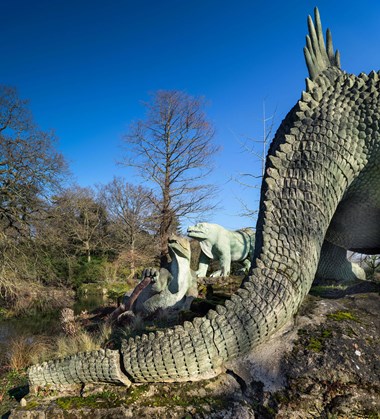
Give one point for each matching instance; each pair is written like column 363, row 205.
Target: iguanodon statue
column 224, row 245
column 161, row 289
column 321, row 185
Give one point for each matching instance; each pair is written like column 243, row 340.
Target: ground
column 325, row 364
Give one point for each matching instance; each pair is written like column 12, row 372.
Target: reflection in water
column 44, row 323
column 89, row 302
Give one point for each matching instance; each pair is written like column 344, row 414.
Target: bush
column 24, row 351
column 88, row 272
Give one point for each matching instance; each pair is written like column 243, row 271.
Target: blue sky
column 86, row 65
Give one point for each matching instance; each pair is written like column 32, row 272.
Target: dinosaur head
column 199, row 231
column 179, row 246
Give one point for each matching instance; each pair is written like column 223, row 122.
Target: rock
column 237, row 410
column 325, row 363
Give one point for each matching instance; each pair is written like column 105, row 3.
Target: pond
column 46, row 324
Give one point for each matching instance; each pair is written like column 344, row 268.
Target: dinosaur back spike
column 318, row 56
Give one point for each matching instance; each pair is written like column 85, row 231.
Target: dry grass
column 82, row 341
column 104, row 334
column 24, row 351
column 69, row 345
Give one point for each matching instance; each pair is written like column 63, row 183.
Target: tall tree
column 30, row 170
column 30, row 166
column 172, row 147
column 131, row 214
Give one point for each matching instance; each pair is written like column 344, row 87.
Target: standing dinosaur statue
column 224, row 245
column 321, row 185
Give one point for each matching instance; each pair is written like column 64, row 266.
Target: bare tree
column 30, row 166
column 173, row 148
column 30, row 170
column 131, row 213
column 258, row 149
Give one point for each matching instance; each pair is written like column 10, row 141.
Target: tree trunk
column 88, row 251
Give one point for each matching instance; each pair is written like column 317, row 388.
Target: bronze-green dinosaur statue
column 223, row 245
column 169, row 291
column 321, row 185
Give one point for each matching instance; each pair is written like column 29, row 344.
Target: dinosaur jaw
column 179, row 246
column 199, row 231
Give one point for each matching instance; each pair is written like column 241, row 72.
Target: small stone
column 23, row 402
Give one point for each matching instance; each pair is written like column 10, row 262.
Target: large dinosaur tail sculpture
column 319, row 171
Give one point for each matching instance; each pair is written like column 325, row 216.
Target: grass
column 106, row 399
column 24, row 351
column 343, row 316
column 83, row 341
column 13, row 386
column 315, row 342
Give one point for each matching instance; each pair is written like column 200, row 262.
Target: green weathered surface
column 224, row 245
column 321, row 183
column 169, row 290
column 85, row 367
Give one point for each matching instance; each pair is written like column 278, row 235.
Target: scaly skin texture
column 321, row 182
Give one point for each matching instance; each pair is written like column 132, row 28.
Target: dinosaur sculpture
column 224, row 245
column 160, row 289
column 321, row 183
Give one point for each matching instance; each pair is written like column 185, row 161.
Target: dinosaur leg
column 204, row 261
column 225, row 264
column 333, row 264
column 247, row 264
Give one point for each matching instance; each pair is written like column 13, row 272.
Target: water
column 89, row 302
column 46, row 324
